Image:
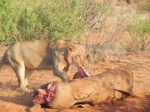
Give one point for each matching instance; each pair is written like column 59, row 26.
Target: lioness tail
column 3, row 60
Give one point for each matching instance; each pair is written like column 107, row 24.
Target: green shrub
column 7, row 20
column 33, row 19
column 144, row 6
column 142, row 27
column 139, row 31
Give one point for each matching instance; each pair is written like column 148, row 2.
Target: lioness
column 57, row 55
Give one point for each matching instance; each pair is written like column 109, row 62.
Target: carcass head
column 81, row 73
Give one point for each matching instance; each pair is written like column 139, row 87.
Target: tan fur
column 112, row 84
column 35, row 54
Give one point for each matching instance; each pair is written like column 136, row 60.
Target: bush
column 46, row 19
column 142, row 27
column 139, row 30
column 7, row 20
column 144, row 6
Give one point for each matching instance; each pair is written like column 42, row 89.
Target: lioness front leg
column 20, row 72
column 61, row 74
column 60, row 68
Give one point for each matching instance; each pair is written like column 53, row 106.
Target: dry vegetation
column 125, row 29
column 121, row 28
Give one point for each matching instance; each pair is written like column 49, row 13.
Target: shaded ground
column 12, row 101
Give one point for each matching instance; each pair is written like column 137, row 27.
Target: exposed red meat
column 81, row 73
column 45, row 95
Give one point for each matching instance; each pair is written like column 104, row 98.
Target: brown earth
column 11, row 100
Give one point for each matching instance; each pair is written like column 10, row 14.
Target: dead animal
column 107, row 86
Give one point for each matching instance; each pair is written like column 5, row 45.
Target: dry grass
column 125, row 30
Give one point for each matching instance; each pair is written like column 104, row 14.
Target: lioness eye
column 77, row 57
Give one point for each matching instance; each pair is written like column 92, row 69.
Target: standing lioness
column 36, row 54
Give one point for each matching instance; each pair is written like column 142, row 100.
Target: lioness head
column 76, row 54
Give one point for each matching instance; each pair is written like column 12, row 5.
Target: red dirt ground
column 11, row 100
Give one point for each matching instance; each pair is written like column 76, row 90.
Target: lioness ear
column 71, row 47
